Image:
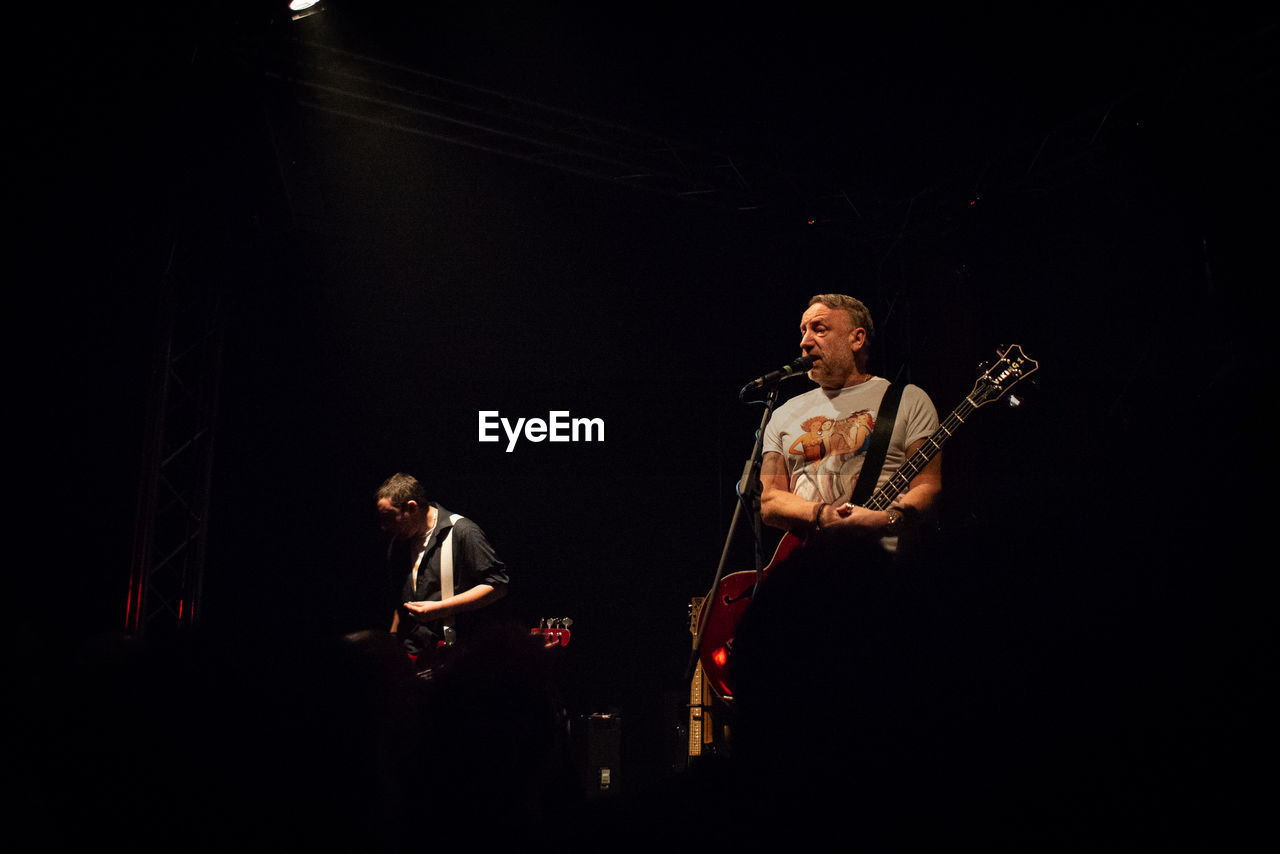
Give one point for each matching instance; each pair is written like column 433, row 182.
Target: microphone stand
column 748, row 490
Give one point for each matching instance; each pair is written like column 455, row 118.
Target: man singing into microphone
column 830, row 651
column 816, row 444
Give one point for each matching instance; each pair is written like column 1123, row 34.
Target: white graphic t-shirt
column 822, row 436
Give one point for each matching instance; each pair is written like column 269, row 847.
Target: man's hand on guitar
column 851, row 519
column 423, row 610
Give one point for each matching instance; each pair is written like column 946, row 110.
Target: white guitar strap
column 446, row 576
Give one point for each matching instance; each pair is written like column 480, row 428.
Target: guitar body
column 718, row 620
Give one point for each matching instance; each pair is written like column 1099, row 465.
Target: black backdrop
column 1091, row 187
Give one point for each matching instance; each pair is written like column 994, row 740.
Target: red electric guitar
column 551, row 633
column 718, row 620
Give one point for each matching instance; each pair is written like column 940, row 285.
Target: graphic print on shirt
column 830, row 448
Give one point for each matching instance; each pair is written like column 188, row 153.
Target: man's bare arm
column 468, row 600
column 781, row 509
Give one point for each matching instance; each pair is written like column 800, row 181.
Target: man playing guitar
column 818, row 660
column 446, row 566
column 816, row 443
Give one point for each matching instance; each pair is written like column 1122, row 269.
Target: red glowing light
column 720, row 656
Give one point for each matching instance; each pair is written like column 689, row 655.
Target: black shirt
column 474, row 562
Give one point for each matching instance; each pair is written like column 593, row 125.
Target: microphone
column 793, row 368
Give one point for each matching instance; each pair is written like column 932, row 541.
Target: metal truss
column 171, row 525
column 390, row 95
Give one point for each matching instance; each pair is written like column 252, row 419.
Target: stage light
column 302, row 8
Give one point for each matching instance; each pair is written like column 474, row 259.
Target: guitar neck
column 896, row 485
column 1012, row 367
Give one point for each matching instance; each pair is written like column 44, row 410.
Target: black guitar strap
column 878, row 447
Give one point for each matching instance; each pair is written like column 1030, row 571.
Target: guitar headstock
column 554, row 631
column 1011, row 368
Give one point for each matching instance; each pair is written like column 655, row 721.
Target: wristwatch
column 895, row 516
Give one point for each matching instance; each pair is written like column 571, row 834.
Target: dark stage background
column 1093, row 186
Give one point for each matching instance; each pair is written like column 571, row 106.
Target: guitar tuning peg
column 565, row 622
